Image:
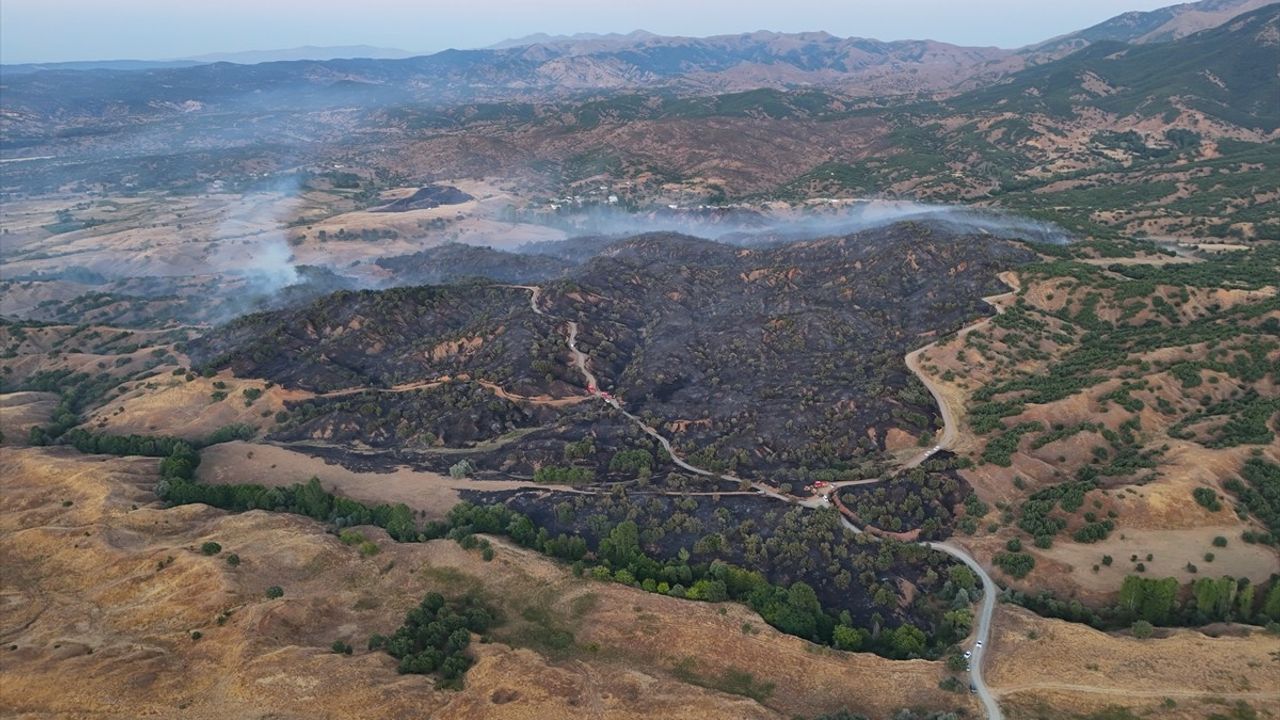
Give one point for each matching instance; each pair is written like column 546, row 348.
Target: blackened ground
column 896, row 582
column 774, row 363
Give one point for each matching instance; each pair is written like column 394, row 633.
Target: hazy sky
column 52, row 30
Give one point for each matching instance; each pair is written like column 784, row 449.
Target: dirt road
column 580, row 361
column 986, row 612
column 950, row 418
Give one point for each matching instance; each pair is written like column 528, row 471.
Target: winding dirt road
column 580, row 361
column 950, row 432
column 950, row 419
column 986, row 613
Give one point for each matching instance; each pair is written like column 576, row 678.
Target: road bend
column 986, row 614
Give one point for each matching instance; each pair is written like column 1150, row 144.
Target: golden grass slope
column 104, row 589
column 1041, row 668
column 21, row 411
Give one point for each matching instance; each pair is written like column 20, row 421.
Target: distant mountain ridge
column 1138, row 28
column 542, row 67
column 82, row 65
column 306, row 52
column 730, row 63
column 246, row 57
column 1227, row 72
column 576, row 38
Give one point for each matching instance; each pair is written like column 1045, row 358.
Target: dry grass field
column 105, row 585
column 1050, row 669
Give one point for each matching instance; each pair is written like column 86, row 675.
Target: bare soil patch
column 276, row 466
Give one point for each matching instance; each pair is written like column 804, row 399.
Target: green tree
column 400, row 524
column 622, row 544
column 312, row 500
column 846, row 638
column 907, row 640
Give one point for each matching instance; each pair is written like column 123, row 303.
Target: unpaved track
column 989, row 588
column 580, row 361
column 950, row 419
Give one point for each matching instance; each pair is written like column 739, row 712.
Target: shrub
column 1207, row 498
column 435, row 636
column 275, row 591
column 1142, row 629
column 1219, row 541
column 211, row 548
column 1015, row 564
column 233, row 559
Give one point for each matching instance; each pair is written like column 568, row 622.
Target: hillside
column 1156, row 138
column 1228, row 73
column 152, row 623
column 1161, row 25
column 383, row 339
column 1165, row 139
column 1119, row 407
column 772, row 375
column 746, row 357
column 705, row 65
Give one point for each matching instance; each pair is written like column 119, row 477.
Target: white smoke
column 746, row 226
column 261, row 257
column 269, row 266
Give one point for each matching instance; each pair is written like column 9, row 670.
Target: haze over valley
column 628, row 374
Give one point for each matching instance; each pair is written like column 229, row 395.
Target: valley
column 763, row 375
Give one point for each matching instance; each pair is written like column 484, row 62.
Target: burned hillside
column 781, row 364
column 382, row 339
column 779, row 361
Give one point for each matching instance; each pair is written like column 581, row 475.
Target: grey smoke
column 265, row 261
column 743, row 226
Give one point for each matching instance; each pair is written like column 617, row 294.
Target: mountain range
column 549, row 66
column 725, row 118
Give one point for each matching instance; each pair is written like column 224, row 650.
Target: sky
column 61, row 30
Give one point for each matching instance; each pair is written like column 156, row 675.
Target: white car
column 979, row 644
column 968, row 654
